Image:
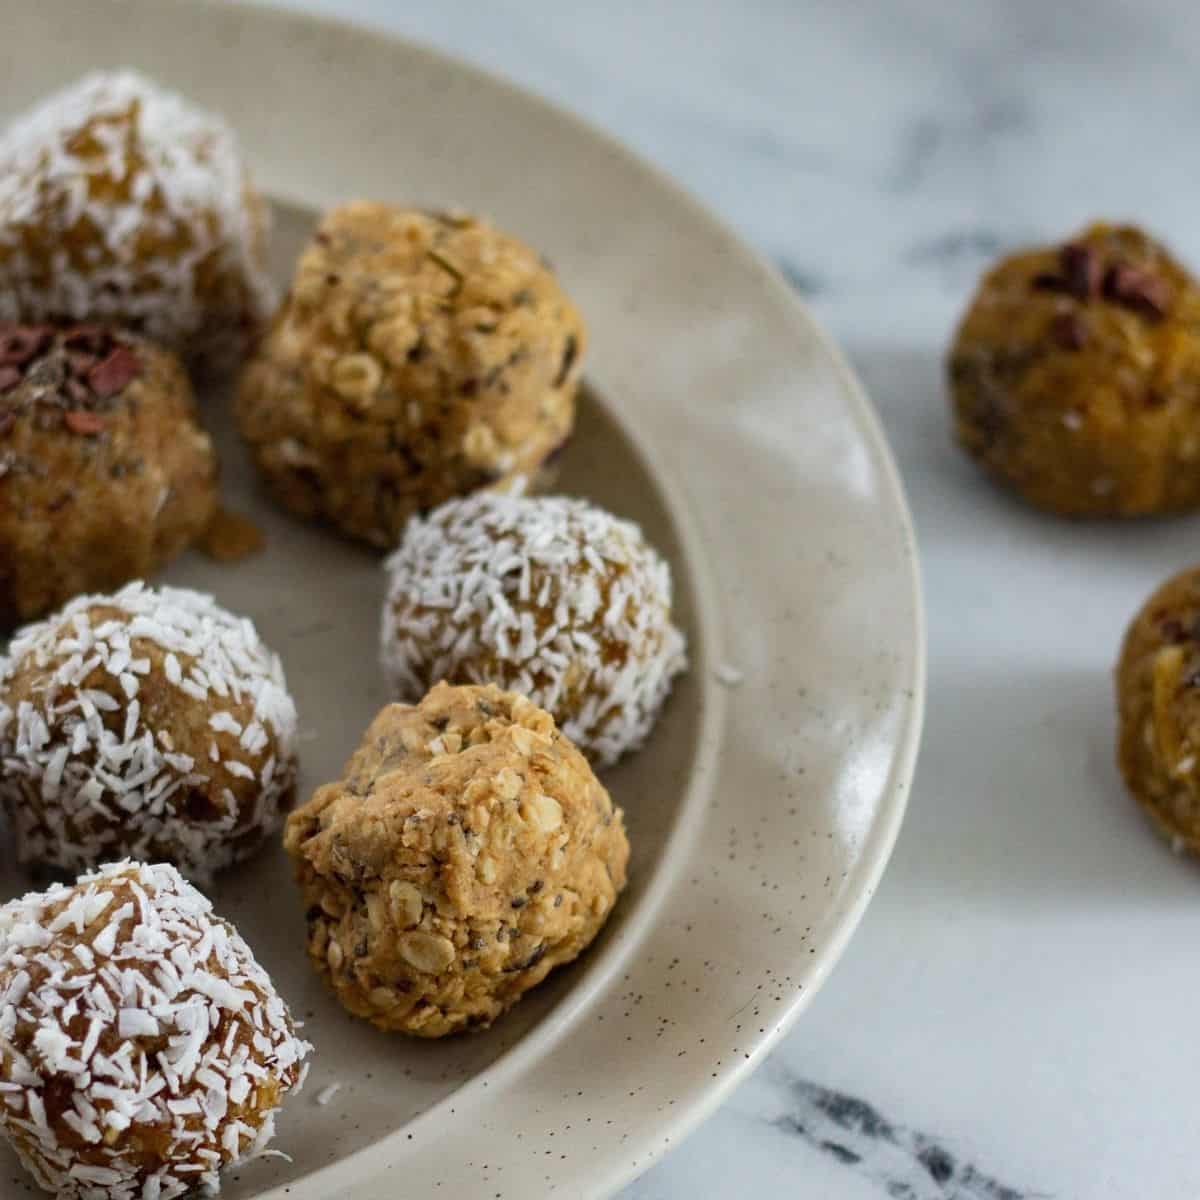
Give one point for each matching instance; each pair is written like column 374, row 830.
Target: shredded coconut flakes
column 550, row 597
column 727, row 675
column 153, row 166
column 85, row 772
column 167, row 1024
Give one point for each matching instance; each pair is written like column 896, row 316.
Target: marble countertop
column 1013, row 1019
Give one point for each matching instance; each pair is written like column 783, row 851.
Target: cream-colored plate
column 719, row 417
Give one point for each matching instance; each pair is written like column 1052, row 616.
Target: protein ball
column 149, row 724
column 1075, row 376
column 467, row 852
column 142, row 1048
column 417, row 356
column 122, row 202
column 1158, row 699
column 104, row 474
column 550, row 597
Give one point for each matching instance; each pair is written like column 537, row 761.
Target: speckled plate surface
column 717, row 415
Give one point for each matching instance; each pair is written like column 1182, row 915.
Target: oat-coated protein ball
column 467, row 851
column 1158, row 700
column 417, row 356
column 122, row 202
column 105, row 475
column 150, row 724
column 142, row 1048
column 1075, row 376
column 547, row 596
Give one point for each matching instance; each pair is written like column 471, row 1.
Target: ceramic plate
column 764, row 807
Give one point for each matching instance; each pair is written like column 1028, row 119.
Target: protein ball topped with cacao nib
column 104, row 473
column 1075, row 376
column 150, row 724
column 142, row 1048
column 1158, row 700
column 417, row 356
column 122, row 202
column 467, row 851
column 547, row 596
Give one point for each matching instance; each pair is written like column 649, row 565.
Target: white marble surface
column 1023, row 989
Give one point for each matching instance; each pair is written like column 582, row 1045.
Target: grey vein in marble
column 977, row 246
column 806, row 280
column 929, row 135
column 907, row 1164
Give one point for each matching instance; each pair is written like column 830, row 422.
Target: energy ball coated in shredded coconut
column 142, row 1048
column 1158, row 700
column 467, row 851
column 105, row 475
column 416, row 357
column 550, row 597
column 122, row 202
column 149, row 724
